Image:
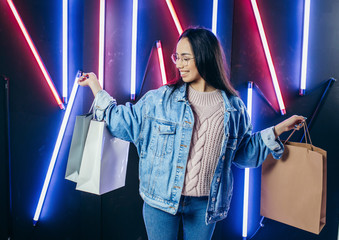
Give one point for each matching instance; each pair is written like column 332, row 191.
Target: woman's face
column 186, row 63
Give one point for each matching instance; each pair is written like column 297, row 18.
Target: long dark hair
column 209, row 59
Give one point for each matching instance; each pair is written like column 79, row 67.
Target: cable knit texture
column 206, row 141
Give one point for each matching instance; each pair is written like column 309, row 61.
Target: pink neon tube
column 36, row 55
column 268, row 57
column 161, row 63
column 174, row 16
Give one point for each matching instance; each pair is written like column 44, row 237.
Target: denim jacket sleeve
column 253, row 148
column 123, row 121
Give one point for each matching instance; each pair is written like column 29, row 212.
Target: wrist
column 277, row 130
column 95, row 86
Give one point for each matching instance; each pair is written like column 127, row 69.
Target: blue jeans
column 164, row 226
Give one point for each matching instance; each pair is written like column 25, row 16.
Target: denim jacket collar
column 182, row 96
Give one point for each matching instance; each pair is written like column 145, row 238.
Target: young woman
column 187, row 135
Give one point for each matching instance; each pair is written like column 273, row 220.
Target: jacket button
column 218, row 179
column 213, row 199
column 223, row 158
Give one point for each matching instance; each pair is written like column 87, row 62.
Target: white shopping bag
column 104, row 161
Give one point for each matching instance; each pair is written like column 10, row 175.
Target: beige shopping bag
column 293, row 189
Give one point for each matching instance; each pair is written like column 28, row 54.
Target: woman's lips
column 183, row 73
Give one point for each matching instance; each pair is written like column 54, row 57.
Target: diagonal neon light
column 65, row 50
column 307, row 6
column 161, row 62
column 134, row 47
column 101, row 43
column 247, row 170
column 55, row 153
column 268, row 57
column 215, row 17
column 174, row 16
column 36, row 55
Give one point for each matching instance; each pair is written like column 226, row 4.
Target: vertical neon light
column 307, row 6
column 65, row 50
column 36, row 54
column 55, row 154
column 268, row 57
column 101, row 43
column 161, row 63
column 134, row 47
column 247, row 170
column 215, row 17
column 174, row 16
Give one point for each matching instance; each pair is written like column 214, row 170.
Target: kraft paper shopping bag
column 104, row 161
column 293, row 189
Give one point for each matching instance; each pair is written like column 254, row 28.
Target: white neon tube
column 101, row 43
column 161, row 63
column 247, row 170
column 268, row 57
column 65, row 50
column 215, row 16
column 307, row 6
column 134, row 47
column 55, row 153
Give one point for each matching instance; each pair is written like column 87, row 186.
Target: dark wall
column 5, row 207
column 35, row 117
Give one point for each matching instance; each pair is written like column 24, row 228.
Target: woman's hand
column 91, row 80
column 294, row 122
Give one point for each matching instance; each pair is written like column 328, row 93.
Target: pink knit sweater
column 206, row 141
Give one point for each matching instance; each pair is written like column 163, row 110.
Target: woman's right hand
column 91, row 80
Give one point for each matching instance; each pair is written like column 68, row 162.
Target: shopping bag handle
column 306, row 132
column 91, row 109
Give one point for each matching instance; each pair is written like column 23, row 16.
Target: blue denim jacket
column 160, row 125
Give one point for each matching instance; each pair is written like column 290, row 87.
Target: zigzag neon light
column 174, row 16
column 65, row 50
column 55, row 153
column 247, row 170
column 101, row 43
column 36, row 54
column 215, row 16
column 134, row 47
column 307, row 6
column 268, row 56
column 161, row 62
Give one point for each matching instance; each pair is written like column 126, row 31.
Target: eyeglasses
column 185, row 60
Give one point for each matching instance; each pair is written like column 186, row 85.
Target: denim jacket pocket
column 162, row 138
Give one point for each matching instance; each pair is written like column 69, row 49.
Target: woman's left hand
column 294, row 122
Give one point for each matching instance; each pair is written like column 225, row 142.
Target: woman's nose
column 179, row 63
